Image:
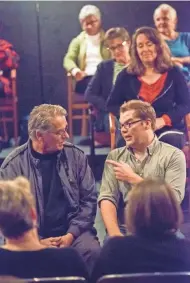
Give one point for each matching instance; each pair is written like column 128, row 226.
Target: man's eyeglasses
column 127, row 125
column 118, row 46
column 60, row 133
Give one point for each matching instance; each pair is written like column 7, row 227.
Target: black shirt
column 55, row 202
column 48, row 262
column 132, row 254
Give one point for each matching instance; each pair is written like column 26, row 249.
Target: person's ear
column 175, row 22
column 148, row 124
column 33, row 214
column 39, row 136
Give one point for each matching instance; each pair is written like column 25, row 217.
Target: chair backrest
column 69, row 279
column 157, row 277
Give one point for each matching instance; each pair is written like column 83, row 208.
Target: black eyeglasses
column 127, row 125
column 118, row 46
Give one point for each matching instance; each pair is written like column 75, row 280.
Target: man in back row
column 144, row 156
column 61, row 181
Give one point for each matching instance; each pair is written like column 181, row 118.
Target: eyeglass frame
column 127, row 125
column 118, row 46
column 60, row 133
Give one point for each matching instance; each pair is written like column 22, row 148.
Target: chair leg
column 84, row 124
column 70, row 122
column 15, row 125
column 5, row 133
column 92, row 142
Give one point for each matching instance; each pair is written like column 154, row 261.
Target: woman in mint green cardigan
column 86, row 50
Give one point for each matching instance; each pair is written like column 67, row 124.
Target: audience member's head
column 47, row 127
column 165, row 19
column 118, row 41
column 90, row 19
column 137, row 122
column 17, row 208
column 152, row 209
column 148, row 49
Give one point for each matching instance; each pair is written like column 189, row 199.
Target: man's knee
column 88, row 247
column 87, row 241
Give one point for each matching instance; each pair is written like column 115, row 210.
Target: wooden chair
column 112, row 130
column 76, row 103
column 186, row 148
column 156, row 277
column 8, row 109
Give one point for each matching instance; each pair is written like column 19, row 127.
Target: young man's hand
column 123, row 172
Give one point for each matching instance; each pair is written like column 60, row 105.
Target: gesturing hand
column 123, row 172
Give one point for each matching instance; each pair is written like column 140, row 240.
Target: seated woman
column 23, row 255
column 117, row 41
column 86, row 50
column 165, row 20
column 153, row 215
column 152, row 77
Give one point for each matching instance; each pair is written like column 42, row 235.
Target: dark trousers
column 81, row 86
column 88, row 247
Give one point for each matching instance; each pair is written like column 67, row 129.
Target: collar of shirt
column 150, row 147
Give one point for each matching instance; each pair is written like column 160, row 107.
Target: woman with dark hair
column 23, row 255
column 153, row 215
column 152, row 77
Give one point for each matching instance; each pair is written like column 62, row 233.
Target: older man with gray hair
column 61, row 180
column 86, row 50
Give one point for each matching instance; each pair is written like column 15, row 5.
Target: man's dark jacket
column 76, row 177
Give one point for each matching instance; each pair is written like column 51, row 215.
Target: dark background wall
column 42, row 78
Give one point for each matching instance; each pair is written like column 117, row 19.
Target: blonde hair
column 152, row 209
column 41, row 118
column 16, row 202
column 143, row 110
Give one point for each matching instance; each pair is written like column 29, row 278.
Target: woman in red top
column 152, row 77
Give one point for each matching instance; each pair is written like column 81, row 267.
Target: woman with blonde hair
column 153, row 215
column 22, row 254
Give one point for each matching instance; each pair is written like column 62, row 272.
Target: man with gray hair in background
column 86, row 50
column 61, row 180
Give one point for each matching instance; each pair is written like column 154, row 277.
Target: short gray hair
column 166, row 8
column 16, row 202
column 89, row 10
column 41, row 118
